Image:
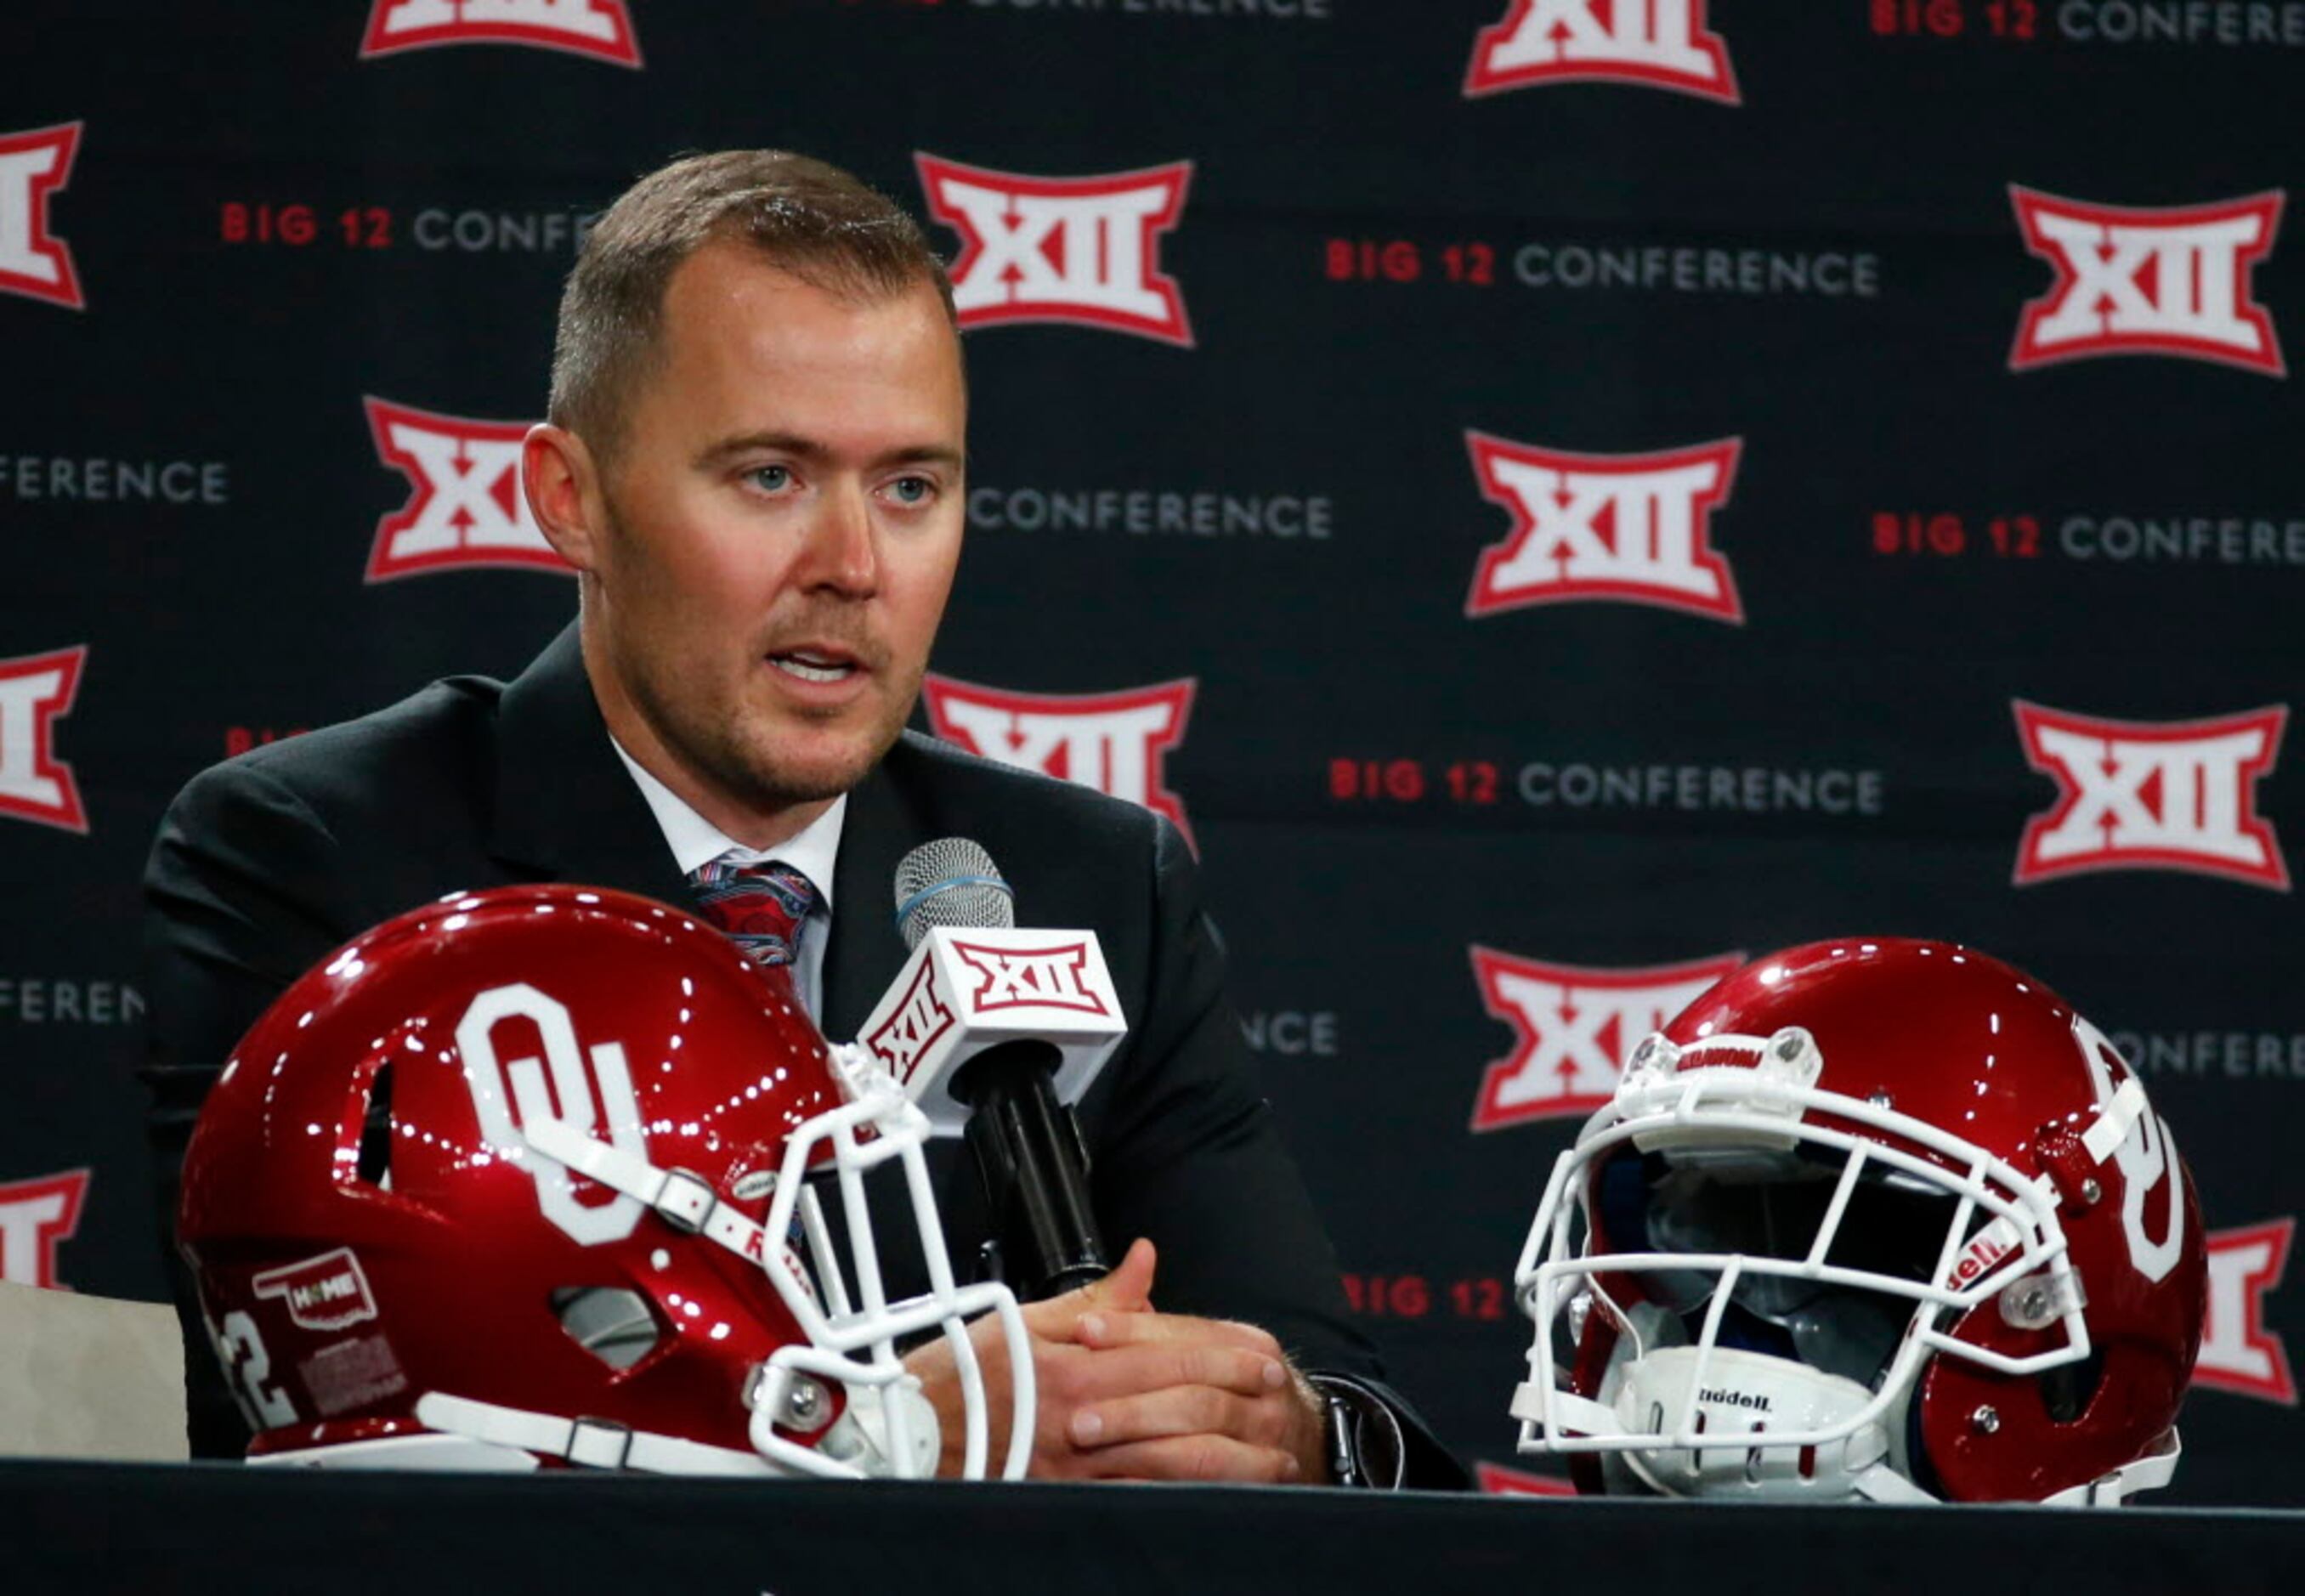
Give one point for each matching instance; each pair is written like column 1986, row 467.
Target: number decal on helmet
column 248, row 1366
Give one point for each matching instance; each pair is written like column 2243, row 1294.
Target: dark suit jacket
column 266, row 863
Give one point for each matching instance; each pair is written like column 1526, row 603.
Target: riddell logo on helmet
column 2173, row 281
column 2238, row 1352
column 1079, row 249
column 467, row 509
column 599, row 28
column 1113, row 742
column 1722, row 1396
column 36, row 1218
column 2176, row 795
column 1631, row 529
column 1030, row 977
column 327, row 1293
column 36, row 785
column 33, row 262
column 903, row 1039
column 1573, row 1026
column 1656, row 44
column 1986, row 1249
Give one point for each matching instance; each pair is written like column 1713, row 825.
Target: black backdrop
column 1720, row 305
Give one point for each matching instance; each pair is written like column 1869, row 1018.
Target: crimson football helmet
column 1870, row 1219
column 535, row 1175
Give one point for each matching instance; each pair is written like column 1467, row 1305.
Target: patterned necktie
column 760, row 907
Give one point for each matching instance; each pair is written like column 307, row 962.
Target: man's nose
column 842, row 555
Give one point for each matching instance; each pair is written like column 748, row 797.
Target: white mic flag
column 965, row 990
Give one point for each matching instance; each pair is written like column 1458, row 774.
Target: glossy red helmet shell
column 352, row 1257
column 1968, row 1046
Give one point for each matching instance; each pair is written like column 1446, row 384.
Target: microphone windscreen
column 951, row 881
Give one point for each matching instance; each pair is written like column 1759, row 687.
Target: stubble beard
column 735, row 747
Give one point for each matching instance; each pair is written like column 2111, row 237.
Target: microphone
column 995, row 1033
column 951, row 882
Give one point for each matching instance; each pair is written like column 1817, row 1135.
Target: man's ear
column 561, row 483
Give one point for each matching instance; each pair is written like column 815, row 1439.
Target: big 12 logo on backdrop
column 1113, row 742
column 2174, row 795
column 1572, row 1027
column 35, row 690
column 1657, row 43
column 599, row 28
column 33, row 261
column 467, row 508
column 1635, row 529
column 1080, row 249
column 2174, row 281
column 37, row 1216
column 2238, row 1352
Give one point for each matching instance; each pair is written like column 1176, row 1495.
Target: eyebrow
column 808, row 448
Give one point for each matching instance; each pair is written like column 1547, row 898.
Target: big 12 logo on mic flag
column 467, row 508
column 35, row 690
column 1572, row 1027
column 966, row 989
column 1080, row 249
column 2174, row 795
column 599, row 28
column 2174, row 281
column 1113, row 742
column 1658, row 44
column 1051, row 977
column 1633, row 529
column 33, row 261
column 2238, row 1352
column 919, row 1018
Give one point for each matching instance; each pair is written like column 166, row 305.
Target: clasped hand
column 1125, row 1392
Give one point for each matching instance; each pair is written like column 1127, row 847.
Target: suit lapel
column 566, row 809
column 864, row 952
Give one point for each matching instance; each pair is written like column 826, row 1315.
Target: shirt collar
column 696, row 841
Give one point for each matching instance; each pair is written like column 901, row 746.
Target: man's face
column 782, row 521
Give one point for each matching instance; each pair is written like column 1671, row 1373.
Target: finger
column 1208, row 1458
column 1129, row 1288
column 1112, row 1328
column 1179, row 1411
column 1103, row 1376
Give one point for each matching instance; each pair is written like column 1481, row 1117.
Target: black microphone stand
column 1034, row 1166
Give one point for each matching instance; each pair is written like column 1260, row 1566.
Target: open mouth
column 815, row 665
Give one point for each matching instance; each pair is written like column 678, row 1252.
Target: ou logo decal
column 508, row 1093
column 2147, row 1156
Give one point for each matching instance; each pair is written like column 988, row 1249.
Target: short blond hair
column 809, row 217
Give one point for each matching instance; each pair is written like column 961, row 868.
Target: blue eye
column 912, row 490
column 772, row 478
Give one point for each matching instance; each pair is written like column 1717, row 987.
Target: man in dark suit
column 755, row 462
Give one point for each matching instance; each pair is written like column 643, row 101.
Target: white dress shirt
column 696, row 841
